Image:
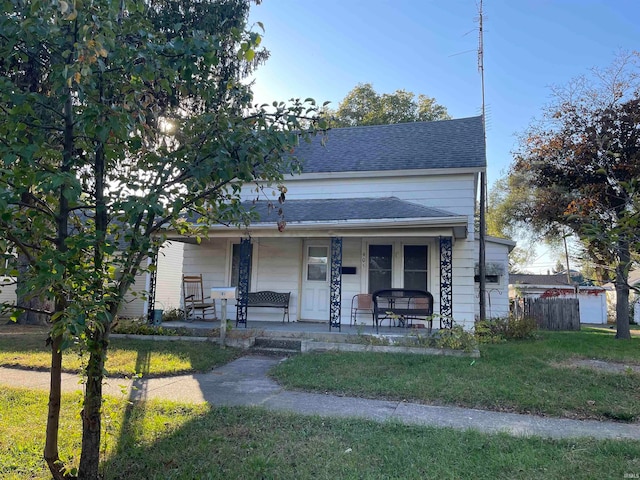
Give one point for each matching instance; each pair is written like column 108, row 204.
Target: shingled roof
column 534, row 279
column 346, row 209
column 455, row 143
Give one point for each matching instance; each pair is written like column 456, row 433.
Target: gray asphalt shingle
column 319, row 210
column 457, row 143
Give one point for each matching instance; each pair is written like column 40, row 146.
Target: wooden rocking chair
column 194, row 299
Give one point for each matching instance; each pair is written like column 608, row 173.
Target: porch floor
column 300, row 329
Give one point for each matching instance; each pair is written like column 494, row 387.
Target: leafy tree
column 116, row 119
column 364, row 106
column 580, row 167
column 499, row 224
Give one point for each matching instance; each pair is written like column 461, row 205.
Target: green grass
column 526, row 377
column 163, row 440
column 25, row 347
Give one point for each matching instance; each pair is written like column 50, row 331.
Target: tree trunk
column 622, row 291
column 53, row 418
column 62, row 233
column 92, row 411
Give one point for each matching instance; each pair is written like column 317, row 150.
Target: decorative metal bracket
column 335, row 295
column 153, row 280
column 446, row 282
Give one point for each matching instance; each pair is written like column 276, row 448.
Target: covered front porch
column 324, row 263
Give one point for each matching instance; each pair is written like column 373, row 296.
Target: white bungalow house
column 388, row 206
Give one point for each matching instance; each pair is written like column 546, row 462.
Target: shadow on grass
column 133, row 421
column 130, row 425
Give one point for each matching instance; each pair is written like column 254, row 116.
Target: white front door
column 315, row 282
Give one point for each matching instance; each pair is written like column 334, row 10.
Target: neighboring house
column 496, row 275
column 375, row 207
column 634, row 297
column 592, row 299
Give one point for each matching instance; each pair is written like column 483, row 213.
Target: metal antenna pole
column 483, row 182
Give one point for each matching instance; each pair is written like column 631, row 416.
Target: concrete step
column 273, row 352
column 276, row 347
column 278, row 343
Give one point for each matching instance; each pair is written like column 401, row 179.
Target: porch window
column 317, row 264
column 380, row 267
column 415, row 267
column 235, row 265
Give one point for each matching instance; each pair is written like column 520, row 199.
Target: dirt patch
column 634, row 330
column 600, row 365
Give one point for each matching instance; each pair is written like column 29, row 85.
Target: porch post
column 335, row 295
column 243, row 281
column 446, row 282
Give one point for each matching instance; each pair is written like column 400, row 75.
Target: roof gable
column 441, row 144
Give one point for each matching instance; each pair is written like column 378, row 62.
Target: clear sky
column 322, row 49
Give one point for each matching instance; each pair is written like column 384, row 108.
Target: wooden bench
column 266, row 299
column 403, row 305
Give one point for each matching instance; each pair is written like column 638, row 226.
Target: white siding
column 169, row 277
column 453, row 193
column 464, row 298
column 7, row 290
column 496, row 294
column 352, row 251
column 168, row 284
column 209, row 259
column 134, row 300
column 450, row 192
column 277, row 263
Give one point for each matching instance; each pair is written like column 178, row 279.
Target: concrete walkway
column 244, row 382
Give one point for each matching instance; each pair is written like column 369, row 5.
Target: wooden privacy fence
column 551, row 313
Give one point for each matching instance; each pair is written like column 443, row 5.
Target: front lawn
column 163, row 440
column 534, row 376
column 25, row 347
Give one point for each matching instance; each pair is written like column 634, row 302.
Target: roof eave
column 446, row 226
column 384, row 173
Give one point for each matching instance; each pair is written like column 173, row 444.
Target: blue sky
column 322, row 49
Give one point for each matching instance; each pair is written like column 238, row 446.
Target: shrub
column 456, row 338
column 497, row 330
column 172, row 315
column 138, row 327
